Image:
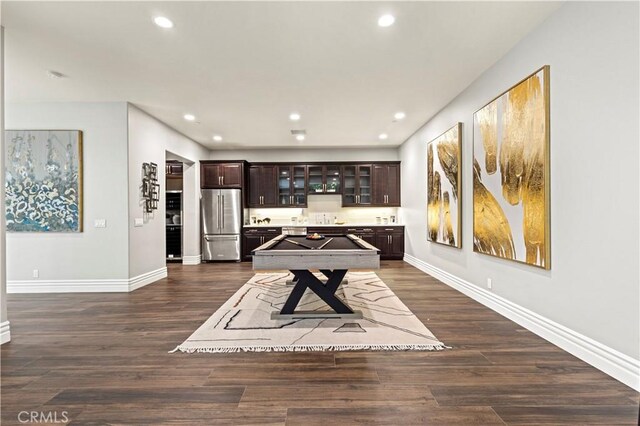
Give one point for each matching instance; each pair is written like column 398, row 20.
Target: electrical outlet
column 36, row 273
column 100, row 223
column 489, row 283
column 138, row 221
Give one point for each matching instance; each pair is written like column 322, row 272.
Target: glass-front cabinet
column 324, row 179
column 357, row 185
column 292, row 186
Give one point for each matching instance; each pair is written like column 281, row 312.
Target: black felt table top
column 339, row 242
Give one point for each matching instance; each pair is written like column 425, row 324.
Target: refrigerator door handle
column 222, row 209
column 210, row 238
column 219, row 215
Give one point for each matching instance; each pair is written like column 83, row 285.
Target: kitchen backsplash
column 324, row 209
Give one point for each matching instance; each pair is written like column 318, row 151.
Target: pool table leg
column 306, row 279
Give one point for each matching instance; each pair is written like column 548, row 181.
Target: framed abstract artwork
column 511, row 208
column 43, row 180
column 444, row 206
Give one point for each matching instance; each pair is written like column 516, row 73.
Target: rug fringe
column 318, row 348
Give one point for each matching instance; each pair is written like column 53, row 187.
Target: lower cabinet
column 366, row 234
column 252, row 238
column 326, row 230
column 390, row 241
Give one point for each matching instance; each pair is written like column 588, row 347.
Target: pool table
column 332, row 256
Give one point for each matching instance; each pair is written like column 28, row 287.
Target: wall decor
column 43, row 185
column 444, row 212
column 511, row 209
column 150, row 187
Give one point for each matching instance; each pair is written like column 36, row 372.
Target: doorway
column 174, row 212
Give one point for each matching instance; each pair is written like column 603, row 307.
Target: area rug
column 243, row 323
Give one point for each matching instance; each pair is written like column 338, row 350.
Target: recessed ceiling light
column 294, row 116
column 300, row 137
column 217, row 138
column 189, row 117
column 399, row 115
column 55, row 74
column 163, row 22
column 383, row 136
column 386, row 20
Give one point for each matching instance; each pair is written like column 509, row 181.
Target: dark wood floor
column 103, row 358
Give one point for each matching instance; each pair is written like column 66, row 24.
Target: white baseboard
column 146, row 278
column 192, row 260
column 86, row 286
column 5, row 332
column 616, row 364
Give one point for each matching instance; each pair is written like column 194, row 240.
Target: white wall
column 149, row 141
column 294, row 155
column 5, row 334
column 95, row 253
column 593, row 285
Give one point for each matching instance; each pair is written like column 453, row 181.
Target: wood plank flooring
column 103, row 359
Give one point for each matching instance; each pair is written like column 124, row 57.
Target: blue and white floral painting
column 43, row 180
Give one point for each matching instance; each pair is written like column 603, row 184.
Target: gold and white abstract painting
column 511, row 174
column 443, row 188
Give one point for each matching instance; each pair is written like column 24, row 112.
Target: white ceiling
column 242, row 67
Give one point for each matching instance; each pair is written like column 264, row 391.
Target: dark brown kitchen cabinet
column 292, row 186
column 221, row 175
column 324, row 179
column 252, row 238
column 173, row 169
column 366, row 234
column 356, row 188
column 327, row 230
column 390, row 241
column 263, row 186
column 386, row 185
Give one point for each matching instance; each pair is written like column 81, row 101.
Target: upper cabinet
column 214, row 174
column 386, row 184
column 263, row 186
column 292, row 186
column 173, row 169
column 324, row 179
column 357, row 185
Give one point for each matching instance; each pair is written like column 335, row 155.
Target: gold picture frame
column 511, row 173
column 444, row 188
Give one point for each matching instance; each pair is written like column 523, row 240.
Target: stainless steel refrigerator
column 221, row 211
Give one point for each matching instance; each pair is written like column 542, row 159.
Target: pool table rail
column 365, row 257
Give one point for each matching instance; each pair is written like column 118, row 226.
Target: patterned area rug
column 243, row 323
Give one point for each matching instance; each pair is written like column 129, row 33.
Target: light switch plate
column 138, row 221
column 100, row 223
